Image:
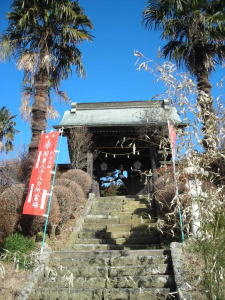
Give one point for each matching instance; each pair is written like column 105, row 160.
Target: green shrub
column 18, row 242
column 17, row 249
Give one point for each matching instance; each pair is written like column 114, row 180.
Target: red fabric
column 40, row 181
column 172, row 135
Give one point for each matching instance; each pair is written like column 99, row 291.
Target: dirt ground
column 12, row 282
column 193, row 270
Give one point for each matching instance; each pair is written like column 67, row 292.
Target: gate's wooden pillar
column 154, row 163
column 90, row 164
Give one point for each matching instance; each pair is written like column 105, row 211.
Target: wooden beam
column 90, row 164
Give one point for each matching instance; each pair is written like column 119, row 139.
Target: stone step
column 102, row 206
column 116, row 256
column 138, row 270
column 132, row 209
column 91, row 241
column 135, row 221
column 150, row 235
column 128, row 257
column 140, row 260
column 101, row 219
column 145, row 228
column 123, row 262
column 105, row 210
column 119, row 202
column 87, row 270
column 127, row 197
column 106, row 294
column 129, row 227
column 139, row 212
column 68, row 279
column 103, row 234
column 136, row 203
column 119, row 241
column 114, row 246
column 92, row 233
column 93, row 227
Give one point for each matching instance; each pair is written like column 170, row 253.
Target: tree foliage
column 194, row 31
column 7, row 129
column 43, row 36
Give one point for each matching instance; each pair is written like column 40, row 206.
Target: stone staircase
column 116, row 256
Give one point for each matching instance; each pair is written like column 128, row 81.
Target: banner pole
column 51, row 193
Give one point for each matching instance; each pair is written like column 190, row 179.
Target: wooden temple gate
column 126, row 137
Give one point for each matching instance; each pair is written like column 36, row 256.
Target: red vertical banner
column 172, row 138
column 40, row 181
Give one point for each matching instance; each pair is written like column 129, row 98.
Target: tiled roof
column 130, row 113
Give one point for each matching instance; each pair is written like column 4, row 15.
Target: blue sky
column 109, row 63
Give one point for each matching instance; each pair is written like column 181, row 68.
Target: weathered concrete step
column 105, row 210
column 92, row 233
column 127, row 197
column 119, row 241
column 150, row 235
column 114, row 246
column 126, row 214
column 120, row 204
column 103, row 294
column 111, row 254
column 127, row 218
column 93, row 227
column 101, row 206
column 139, row 212
column 91, row 241
column 116, row 228
column 129, row 227
column 102, row 233
column 132, row 210
column 101, row 219
column 150, row 281
column 139, row 270
column 140, row 260
column 88, row 270
column 135, row 221
column 116, row 257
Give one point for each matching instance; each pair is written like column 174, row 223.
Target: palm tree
column 43, row 36
column 7, row 129
column 195, row 31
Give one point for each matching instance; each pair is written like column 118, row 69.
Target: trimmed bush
column 53, row 220
column 78, row 194
column 65, row 200
column 165, row 192
column 80, row 177
column 10, row 209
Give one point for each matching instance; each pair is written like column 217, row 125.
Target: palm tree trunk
column 207, row 112
column 39, row 115
column 38, row 124
column 1, row 142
